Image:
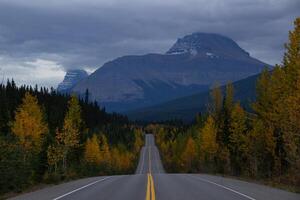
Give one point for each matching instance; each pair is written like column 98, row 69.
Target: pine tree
column 227, row 110
column 4, row 112
column 86, row 96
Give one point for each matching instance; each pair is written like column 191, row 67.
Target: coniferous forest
column 262, row 144
column 50, row 137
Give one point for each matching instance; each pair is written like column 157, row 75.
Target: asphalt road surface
column 151, row 182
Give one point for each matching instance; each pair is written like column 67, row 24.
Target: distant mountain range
column 186, row 108
column 190, row 66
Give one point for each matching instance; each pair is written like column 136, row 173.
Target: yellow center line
column 152, row 188
column 150, row 192
column 148, row 188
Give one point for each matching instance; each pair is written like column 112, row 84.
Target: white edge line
column 224, row 187
column 80, row 188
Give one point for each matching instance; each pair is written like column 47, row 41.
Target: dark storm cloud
column 78, row 34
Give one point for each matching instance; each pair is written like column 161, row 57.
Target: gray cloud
column 85, row 34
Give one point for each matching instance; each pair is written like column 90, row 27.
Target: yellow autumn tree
column 105, row 152
column 188, row 156
column 238, row 138
column 207, row 138
column 276, row 110
column 29, row 124
column 263, row 126
column 121, row 160
column 92, row 154
column 138, row 142
column 289, row 107
column 69, row 137
column 291, row 136
column 54, row 156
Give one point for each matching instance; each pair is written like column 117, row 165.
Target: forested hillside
column 49, row 137
column 263, row 144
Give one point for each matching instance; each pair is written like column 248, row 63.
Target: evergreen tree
column 227, row 110
column 86, row 96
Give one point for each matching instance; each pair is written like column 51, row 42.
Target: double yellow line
column 150, row 193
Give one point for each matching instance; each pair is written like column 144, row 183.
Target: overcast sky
column 40, row 39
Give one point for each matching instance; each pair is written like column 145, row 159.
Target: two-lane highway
column 150, row 161
column 151, row 182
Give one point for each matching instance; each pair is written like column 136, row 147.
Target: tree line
column 263, row 143
column 48, row 137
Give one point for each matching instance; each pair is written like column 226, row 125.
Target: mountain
column 186, row 108
column 71, row 78
column 190, row 66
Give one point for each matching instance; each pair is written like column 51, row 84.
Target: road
column 151, row 182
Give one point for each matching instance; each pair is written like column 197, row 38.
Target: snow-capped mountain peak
column 72, row 77
column 206, row 43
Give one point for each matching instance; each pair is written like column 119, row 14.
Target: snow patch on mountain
column 206, row 44
column 71, row 78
